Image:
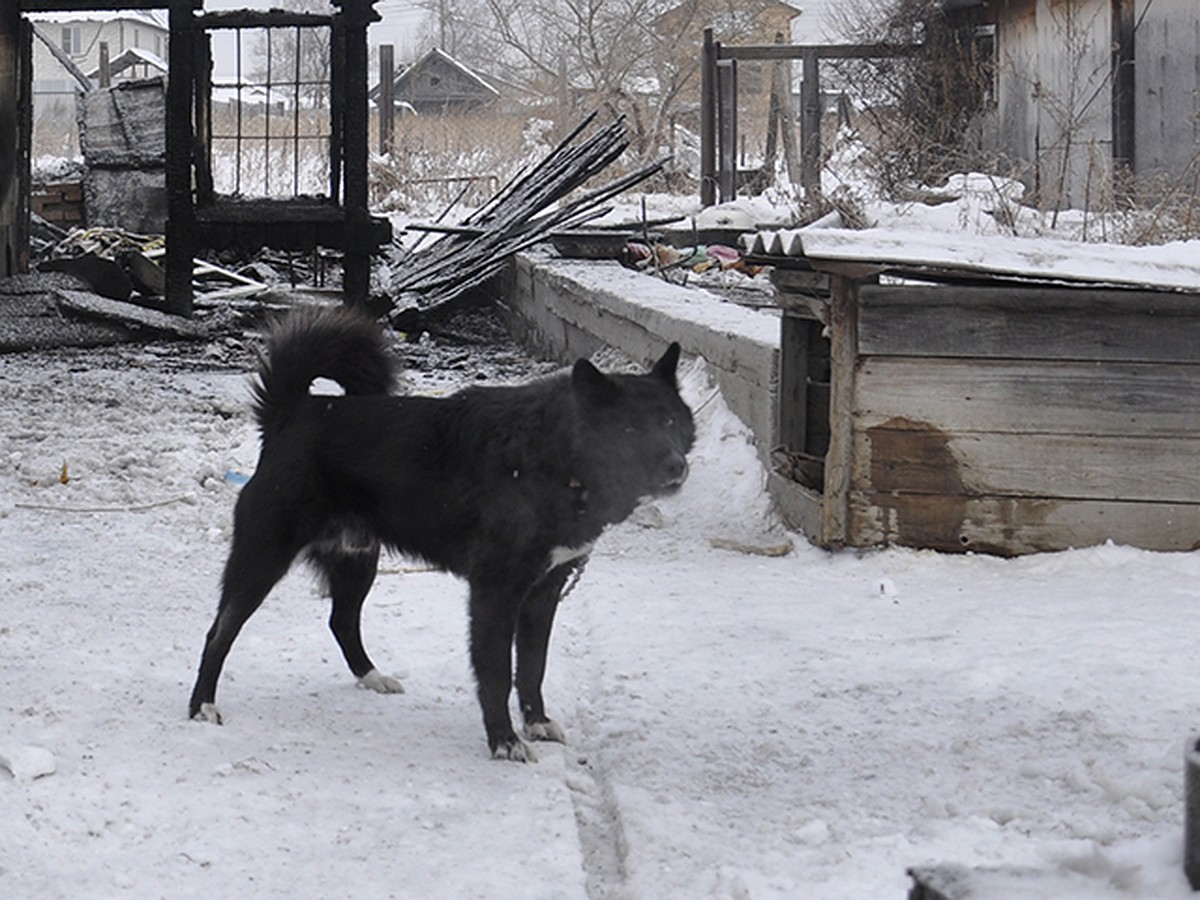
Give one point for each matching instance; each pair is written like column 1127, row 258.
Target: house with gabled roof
column 437, row 83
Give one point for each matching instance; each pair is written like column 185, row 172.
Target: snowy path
column 740, row 726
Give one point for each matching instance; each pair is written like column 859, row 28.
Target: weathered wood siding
column 1168, row 86
column 1012, row 420
column 1055, row 59
column 1054, row 103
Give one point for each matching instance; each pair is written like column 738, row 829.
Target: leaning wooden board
column 89, row 304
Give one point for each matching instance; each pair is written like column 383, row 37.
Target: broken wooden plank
column 1029, row 323
column 103, row 275
column 89, row 304
column 1011, row 526
column 959, row 396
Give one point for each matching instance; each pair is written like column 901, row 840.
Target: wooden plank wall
column 1014, row 420
column 1074, row 128
column 1168, row 85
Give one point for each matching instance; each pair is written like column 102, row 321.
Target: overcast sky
column 401, row 19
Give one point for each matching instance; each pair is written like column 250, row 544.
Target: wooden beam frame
column 718, row 96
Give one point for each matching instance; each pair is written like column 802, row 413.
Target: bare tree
column 296, row 56
column 921, row 108
column 636, row 58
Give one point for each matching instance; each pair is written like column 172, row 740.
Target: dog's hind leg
column 533, row 640
column 349, row 576
column 250, row 573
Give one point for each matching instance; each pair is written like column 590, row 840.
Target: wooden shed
column 977, row 405
column 437, row 83
column 1084, row 86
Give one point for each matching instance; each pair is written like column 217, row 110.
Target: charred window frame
column 274, row 118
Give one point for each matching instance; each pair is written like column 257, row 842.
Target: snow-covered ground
column 740, row 726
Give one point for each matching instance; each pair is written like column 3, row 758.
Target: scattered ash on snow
column 468, row 345
column 465, row 345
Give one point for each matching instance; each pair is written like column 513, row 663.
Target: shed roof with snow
column 438, row 83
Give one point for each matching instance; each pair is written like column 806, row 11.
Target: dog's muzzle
column 676, row 474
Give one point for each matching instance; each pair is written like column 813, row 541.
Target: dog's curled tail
column 335, row 343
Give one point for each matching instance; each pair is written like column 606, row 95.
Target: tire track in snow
column 602, row 838
column 598, row 817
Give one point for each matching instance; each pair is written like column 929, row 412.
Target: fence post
column 727, row 125
column 182, row 239
column 708, row 121
column 810, row 125
column 387, row 98
column 1124, row 80
column 105, row 66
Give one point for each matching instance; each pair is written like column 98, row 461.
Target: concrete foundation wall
column 568, row 309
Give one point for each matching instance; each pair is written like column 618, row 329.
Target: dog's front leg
column 533, row 639
column 493, row 611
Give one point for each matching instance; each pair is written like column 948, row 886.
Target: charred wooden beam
column 522, row 213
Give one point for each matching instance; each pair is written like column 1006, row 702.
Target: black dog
column 507, row 487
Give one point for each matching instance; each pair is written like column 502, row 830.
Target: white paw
column 208, row 713
column 546, row 731
column 516, row 750
column 380, row 683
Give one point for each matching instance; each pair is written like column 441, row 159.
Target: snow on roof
column 153, row 18
column 465, row 69
column 133, row 56
column 1173, row 266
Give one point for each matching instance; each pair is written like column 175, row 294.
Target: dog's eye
column 670, row 423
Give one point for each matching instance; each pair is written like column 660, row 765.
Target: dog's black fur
column 505, row 486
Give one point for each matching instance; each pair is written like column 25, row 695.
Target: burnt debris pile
column 542, row 199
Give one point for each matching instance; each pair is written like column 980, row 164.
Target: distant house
column 740, row 21
column 138, row 38
column 1084, row 85
column 132, row 59
column 733, row 22
column 437, row 83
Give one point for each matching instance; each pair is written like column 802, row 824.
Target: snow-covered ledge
column 570, row 308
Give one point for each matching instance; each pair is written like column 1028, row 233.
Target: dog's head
column 636, row 430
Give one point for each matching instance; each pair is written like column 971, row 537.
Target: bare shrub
column 921, row 110
column 436, row 159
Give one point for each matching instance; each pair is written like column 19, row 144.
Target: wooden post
column 354, row 17
column 105, row 66
column 727, row 128
column 387, row 98
column 182, row 240
column 810, row 125
column 708, row 120
column 203, row 118
column 11, row 157
column 1124, row 74
column 843, row 328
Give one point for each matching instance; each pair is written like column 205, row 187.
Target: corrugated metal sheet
column 1170, row 267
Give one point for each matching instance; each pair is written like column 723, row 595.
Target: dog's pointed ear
column 666, row 365
column 591, row 384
